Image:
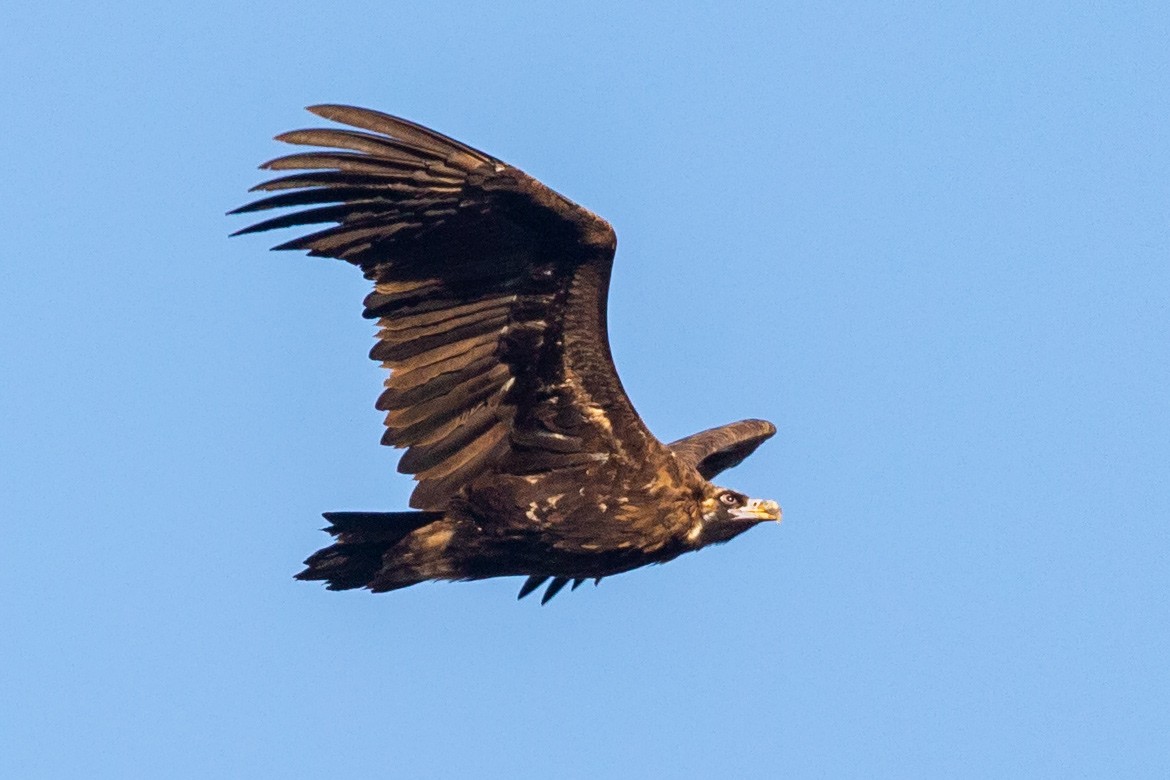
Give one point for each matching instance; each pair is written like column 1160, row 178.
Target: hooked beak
column 759, row 510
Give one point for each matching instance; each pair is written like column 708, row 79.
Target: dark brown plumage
column 490, row 294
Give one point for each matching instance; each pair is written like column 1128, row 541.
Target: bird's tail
column 364, row 554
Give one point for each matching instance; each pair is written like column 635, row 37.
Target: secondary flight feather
column 490, row 294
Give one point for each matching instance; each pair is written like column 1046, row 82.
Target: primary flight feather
column 490, row 294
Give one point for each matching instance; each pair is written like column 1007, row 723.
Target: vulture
column 489, row 291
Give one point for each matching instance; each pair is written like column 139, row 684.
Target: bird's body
column 490, row 291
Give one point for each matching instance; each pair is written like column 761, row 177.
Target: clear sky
column 932, row 245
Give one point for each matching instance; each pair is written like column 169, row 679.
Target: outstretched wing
column 490, row 291
column 717, row 449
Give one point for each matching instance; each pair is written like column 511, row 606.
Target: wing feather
column 456, row 350
column 414, row 374
column 442, row 408
column 375, row 145
column 389, row 181
column 396, row 349
column 352, row 162
column 424, row 455
column 403, row 394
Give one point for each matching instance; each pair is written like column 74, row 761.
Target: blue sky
column 931, row 244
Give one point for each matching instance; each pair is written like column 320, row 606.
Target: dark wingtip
column 553, row 589
column 530, row 584
column 286, row 136
column 289, row 245
column 324, row 109
column 246, row 230
column 247, row 208
column 334, row 112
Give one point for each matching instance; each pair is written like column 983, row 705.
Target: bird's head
column 728, row 513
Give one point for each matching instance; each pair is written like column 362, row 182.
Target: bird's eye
column 729, row 499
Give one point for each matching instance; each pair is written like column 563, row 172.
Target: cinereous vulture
column 490, row 294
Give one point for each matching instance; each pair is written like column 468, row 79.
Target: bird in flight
column 490, row 296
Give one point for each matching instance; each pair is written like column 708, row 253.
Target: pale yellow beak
column 760, row 509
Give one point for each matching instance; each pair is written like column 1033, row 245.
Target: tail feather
column 363, row 539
